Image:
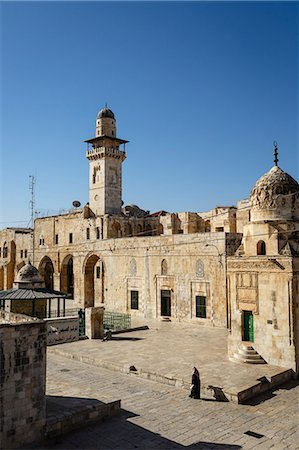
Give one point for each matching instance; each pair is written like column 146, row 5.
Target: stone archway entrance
column 93, row 281
column 67, row 276
column 46, row 269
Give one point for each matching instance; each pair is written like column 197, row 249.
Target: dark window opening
column 71, row 238
column 134, row 299
column 87, row 233
column 21, row 253
column 201, row 306
column 98, row 272
column 56, row 239
column 25, row 254
column 261, row 248
column 165, row 302
column 98, row 232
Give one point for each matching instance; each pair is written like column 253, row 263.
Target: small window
column 56, row 239
column 200, row 307
column 219, row 229
column 98, row 232
column 98, row 271
column 25, row 254
column 71, row 238
column 21, row 253
column 5, row 250
column 134, row 299
column 261, row 248
column 42, row 241
column 87, row 233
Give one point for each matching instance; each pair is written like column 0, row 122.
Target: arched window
column 5, row 250
column 164, row 267
column 261, row 248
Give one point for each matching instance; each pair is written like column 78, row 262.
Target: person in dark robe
column 195, row 384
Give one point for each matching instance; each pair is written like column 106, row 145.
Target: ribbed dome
column 29, row 274
column 273, row 191
column 105, row 112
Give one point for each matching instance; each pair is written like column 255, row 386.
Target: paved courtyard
column 156, row 416
column 160, row 415
column 168, row 352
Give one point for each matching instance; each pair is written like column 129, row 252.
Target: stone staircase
column 247, row 354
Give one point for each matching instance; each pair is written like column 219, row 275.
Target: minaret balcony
column 102, row 152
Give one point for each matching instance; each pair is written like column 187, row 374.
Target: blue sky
column 200, row 89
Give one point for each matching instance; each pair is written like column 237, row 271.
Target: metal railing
column 116, row 321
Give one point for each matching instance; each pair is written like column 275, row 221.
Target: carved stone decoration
column 273, row 190
column 133, row 268
column 164, row 267
column 247, row 291
column 200, row 269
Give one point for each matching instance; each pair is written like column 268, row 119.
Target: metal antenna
column 32, row 201
column 275, row 153
column 32, row 212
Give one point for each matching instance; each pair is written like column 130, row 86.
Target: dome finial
column 275, row 153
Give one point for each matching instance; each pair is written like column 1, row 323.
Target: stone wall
column 265, row 287
column 22, row 379
column 62, row 329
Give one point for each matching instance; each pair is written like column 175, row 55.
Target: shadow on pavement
column 120, row 433
column 271, row 393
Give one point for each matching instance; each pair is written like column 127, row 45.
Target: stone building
column 263, row 276
column 188, row 266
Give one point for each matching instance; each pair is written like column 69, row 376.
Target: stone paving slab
column 168, row 352
column 156, row 416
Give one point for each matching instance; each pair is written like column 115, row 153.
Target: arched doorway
column 67, row 276
column 93, row 281
column 46, row 269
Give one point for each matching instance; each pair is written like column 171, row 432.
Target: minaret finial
column 275, row 153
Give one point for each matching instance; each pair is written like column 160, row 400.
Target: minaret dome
column 106, row 123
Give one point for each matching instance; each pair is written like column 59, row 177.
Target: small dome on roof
column 105, row 112
column 274, row 193
column 29, row 274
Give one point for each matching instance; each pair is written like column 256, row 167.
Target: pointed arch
column 164, row 268
column 67, row 276
column 93, row 270
column 46, row 269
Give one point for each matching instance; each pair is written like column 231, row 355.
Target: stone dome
column 105, row 112
column 271, row 196
column 29, row 274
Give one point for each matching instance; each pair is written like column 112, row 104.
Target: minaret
column 105, row 166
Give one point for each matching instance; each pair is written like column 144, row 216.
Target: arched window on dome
column 261, row 248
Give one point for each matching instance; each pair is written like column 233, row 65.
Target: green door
column 248, row 331
column 165, row 302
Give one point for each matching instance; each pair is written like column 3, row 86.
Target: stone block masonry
column 22, row 380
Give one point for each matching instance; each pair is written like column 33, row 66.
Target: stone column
column 94, row 322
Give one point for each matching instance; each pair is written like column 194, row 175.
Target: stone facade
column 220, row 267
column 263, row 276
column 16, row 246
column 23, row 378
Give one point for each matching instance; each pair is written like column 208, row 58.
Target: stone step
column 248, row 355
column 241, row 358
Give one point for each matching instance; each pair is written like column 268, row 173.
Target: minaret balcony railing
column 105, row 151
